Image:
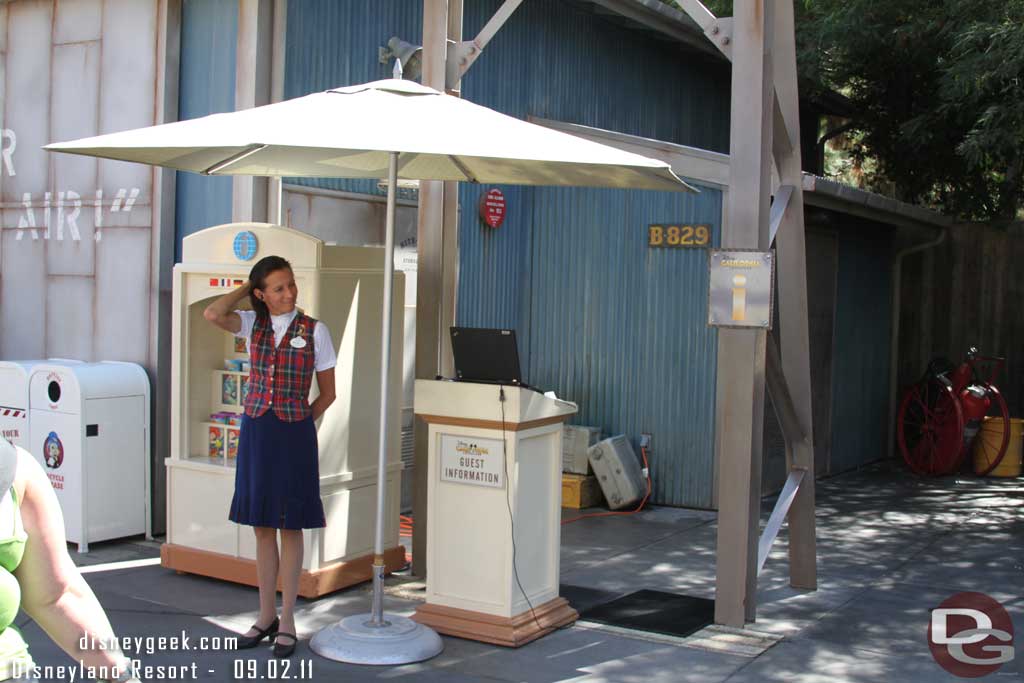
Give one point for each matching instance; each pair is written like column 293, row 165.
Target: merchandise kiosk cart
column 89, row 429
column 494, row 453
column 340, row 286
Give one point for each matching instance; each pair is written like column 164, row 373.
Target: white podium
column 494, row 476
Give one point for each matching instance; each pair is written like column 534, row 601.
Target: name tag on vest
column 297, row 343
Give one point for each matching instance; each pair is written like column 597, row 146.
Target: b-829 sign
column 694, row 236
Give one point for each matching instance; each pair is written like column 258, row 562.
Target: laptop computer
column 486, row 355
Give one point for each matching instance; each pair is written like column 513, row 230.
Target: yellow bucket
column 990, row 436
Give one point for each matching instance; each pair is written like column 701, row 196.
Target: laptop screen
column 486, row 355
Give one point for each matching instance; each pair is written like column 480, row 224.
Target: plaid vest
column 280, row 378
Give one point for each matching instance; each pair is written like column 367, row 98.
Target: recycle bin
column 89, row 427
column 14, row 422
column 14, row 400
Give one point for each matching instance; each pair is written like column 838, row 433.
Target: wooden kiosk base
column 510, row 632
column 312, row 584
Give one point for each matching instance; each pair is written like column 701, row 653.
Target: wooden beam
column 468, row 52
column 429, row 276
column 741, row 353
column 792, row 299
column 792, row 430
column 718, row 30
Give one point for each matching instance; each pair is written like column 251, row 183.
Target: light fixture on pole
column 409, row 57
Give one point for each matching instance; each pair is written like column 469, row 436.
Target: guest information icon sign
column 245, row 245
column 740, row 292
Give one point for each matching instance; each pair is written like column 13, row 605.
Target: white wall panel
column 74, row 113
column 131, row 212
column 22, row 297
column 27, row 105
column 77, row 21
column 295, row 209
column 128, row 77
column 345, row 221
column 3, row 96
column 70, row 69
column 69, row 317
column 66, row 255
column 122, row 295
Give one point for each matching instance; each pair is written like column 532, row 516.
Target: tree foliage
column 937, row 95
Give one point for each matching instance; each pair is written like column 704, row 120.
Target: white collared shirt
column 323, row 348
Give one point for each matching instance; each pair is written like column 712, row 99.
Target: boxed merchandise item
column 226, row 417
column 229, row 390
column 215, row 448
column 243, row 388
column 232, row 442
column 580, row 492
column 575, row 442
column 223, row 439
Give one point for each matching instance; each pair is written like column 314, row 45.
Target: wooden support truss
column 765, row 129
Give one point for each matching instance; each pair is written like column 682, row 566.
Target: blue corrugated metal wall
column 551, row 59
column 605, row 321
column 621, row 328
column 331, row 44
column 602, row 319
column 554, row 60
column 207, row 86
column 860, row 365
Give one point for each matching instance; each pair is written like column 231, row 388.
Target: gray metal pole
column 370, row 638
column 377, row 612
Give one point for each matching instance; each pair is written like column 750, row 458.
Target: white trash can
column 14, row 425
column 14, row 418
column 89, row 426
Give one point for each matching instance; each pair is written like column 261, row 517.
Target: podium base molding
column 506, row 631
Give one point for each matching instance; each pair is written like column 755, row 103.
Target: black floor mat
column 582, row 598
column 654, row 611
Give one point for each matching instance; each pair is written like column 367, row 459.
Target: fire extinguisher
column 962, row 375
column 975, row 402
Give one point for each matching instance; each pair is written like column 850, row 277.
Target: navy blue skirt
column 277, row 476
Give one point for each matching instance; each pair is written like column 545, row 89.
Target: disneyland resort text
column 71, row 674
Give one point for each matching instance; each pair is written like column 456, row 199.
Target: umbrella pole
column 385, row 398
column 376, row 638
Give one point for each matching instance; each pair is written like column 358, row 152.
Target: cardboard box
column 579, row 491
column 576, row 440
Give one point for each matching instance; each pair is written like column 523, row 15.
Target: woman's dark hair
column 258, row 278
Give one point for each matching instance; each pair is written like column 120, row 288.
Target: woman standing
column 277, row 480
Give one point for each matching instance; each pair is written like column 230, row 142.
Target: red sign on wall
column 492, row 207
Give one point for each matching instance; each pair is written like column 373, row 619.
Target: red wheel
column 994, row 436
column 930, row 428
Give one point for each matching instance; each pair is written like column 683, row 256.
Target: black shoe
column 246, row 642
column 280, row 649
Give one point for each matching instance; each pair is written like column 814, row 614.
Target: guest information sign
column 740, row 292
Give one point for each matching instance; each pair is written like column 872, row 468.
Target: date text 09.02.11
column 272, row 670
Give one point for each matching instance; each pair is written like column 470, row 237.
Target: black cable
column 508, row 503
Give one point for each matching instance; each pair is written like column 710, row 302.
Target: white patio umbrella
column 394, row 129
